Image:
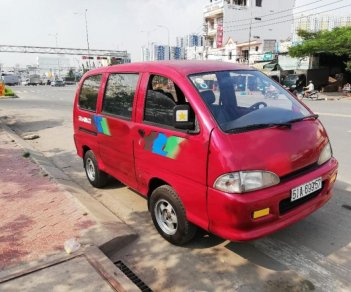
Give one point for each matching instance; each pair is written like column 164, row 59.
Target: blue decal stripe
column 159, row 144
column 97, row 121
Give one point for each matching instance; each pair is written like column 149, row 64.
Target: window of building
column 161, row 98
column 119, row 95
column 211, row 24
column 269, row 45
column 89, row 93
column 240, row 2
column 259, row 3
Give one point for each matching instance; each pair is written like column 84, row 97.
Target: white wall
column 236, row 27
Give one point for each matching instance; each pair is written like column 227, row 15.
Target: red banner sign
column 219, row 40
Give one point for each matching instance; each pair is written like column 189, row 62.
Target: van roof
column 184, row 67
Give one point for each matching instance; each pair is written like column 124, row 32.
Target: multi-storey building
column 163, row 52
column 190, row 46
column 191, row 40
column 249, row 27
column 318, row 22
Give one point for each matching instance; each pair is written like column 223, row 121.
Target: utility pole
column 248, row 54
column 86, row 30
column 169, row 46
column 58, row 56
column 256, row 18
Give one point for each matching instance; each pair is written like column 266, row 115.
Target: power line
column 292, row 19
column 278, row 12
column 288, row 15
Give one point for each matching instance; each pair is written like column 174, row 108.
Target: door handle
column 141, row 132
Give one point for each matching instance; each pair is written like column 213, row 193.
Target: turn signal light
column 260, row 213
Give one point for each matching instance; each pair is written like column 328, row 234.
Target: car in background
column 294, row 82
column 58, row 83
column 25, row 82
column 10, row 79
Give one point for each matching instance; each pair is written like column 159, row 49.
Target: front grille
column 299, row 172
column 286, row 205
column 134, row 278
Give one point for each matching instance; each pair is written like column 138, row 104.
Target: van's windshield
column 244, row 100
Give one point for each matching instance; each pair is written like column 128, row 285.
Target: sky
column 112, row 24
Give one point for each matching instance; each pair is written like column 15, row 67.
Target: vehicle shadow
column 202, row 265
column 324, row 234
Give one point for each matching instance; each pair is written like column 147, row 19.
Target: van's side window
column 89, row 93
column 162, row 95
column 119, row 95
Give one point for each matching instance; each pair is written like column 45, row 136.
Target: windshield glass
column 241, row 99
column 292, row 77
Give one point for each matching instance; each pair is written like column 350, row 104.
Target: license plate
column 306, row 189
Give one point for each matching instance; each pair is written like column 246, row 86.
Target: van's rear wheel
column 96, row 177
column 169, row 217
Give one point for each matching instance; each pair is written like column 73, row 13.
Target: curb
column 8, row 96
column 91, row 255
column 110, row 233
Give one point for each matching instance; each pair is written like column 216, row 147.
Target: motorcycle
column 313, row 95
column 271, row 94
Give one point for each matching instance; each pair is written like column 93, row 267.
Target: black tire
column 96, row 177
column 180, row 232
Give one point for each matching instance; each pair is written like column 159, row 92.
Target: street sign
column 268, row 56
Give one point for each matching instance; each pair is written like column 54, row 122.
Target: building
column 163, row 52
column 191, row 47
column 191, row 40
column 160, row 52
column 146, row 54
column 251, row 27
column 317, row 23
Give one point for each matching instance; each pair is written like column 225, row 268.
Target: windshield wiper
column 259, row 126
column 310, row 117
column 272, row 125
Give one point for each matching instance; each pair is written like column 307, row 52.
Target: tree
column 337, row 42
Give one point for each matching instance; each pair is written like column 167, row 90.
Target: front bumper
column 231, row 215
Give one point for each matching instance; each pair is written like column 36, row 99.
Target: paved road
column 312, row 254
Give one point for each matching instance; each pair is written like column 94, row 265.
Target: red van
column 205, row 144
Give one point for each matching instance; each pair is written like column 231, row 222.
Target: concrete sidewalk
column 333, row 96
column 38, row 215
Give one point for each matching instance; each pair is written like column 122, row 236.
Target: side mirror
column 183, row 117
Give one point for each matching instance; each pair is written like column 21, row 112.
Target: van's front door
column 115, row 126
column 168, row 154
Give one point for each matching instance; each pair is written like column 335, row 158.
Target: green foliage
column 9, row 92
column 337, row 42
column 306, row 35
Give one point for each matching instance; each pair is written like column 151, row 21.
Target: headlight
column 293, row 86
column 245, row 181
column 326, row 154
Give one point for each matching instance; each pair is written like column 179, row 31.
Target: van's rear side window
column 89, row 93
column 119, row 95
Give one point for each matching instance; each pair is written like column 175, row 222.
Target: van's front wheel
column 96, row 177
column 169, row 217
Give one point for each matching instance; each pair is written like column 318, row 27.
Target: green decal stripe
column 105, row 127
column 172, row 146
